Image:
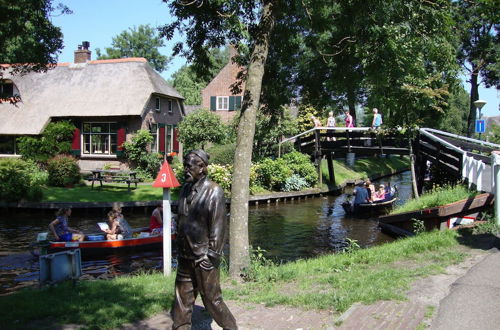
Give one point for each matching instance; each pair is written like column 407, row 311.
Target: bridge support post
column 495, row 182
column 331, row 173
column 317, row 155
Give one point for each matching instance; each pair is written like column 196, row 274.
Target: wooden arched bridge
column 460, row 157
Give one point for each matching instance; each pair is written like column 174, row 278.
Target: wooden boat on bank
column 97, row 244
column 369, row 209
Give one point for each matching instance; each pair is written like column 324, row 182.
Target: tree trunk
column 239, row 257
column 474, row 96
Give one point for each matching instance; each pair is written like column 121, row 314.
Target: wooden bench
column 101, row 175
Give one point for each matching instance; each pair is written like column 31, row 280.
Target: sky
column 98, row 21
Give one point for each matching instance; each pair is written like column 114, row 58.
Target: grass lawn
column 333, row 282
column 364, row 168
column 108, row 193
column 436, row 197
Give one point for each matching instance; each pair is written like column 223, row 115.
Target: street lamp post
column 479, row 104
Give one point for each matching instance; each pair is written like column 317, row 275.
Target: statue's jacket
column 201, row 220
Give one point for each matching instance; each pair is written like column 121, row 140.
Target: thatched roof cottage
column 107, row 100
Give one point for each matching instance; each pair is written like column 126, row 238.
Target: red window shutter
column 120, row 138
column 75, row 144
column 162, row 138
column 176, row 140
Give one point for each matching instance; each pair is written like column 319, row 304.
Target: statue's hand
column 204, row 263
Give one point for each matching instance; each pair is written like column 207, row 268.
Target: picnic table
column 113, row 175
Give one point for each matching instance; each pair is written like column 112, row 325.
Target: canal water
column 286, row 231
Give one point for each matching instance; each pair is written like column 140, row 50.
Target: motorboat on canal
column 97, row 244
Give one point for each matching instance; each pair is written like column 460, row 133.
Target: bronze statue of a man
column 200, row 239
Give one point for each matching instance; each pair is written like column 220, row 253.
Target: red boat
column 98, row 245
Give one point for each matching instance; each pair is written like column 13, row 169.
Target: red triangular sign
column 166, row 177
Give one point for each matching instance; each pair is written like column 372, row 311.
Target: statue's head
column 195, row 165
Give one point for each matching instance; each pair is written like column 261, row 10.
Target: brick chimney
column 82, row 54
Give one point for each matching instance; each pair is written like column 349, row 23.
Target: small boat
column 369, row 209
column 97, row 244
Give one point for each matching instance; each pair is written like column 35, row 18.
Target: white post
column 495, row 172
column 167, row 233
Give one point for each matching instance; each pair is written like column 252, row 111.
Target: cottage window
column 8, row 145
column 222, row 102
column 153, row 129
column 99, row 138
column 169, row 131
column 169, row 105
column 157, row 106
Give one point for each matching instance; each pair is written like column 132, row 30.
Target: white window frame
column 158, row 104
column 15, row 153
column 222, row 103
column 109, row 134
column 155, row 144
column 170, row 106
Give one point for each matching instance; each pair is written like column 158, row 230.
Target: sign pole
column 166, row 180
column 167, row 233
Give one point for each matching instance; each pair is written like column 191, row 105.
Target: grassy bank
column 436, row 197
column 108, row 193
column 332, row 282
column 145, row 192
column 364, row 168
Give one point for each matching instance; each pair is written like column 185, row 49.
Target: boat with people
column 369, row 209
column 97, row 244
column 370, row 202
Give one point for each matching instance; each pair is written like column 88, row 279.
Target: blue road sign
column 480, row 126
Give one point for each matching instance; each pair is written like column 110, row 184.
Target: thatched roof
column 119, row 87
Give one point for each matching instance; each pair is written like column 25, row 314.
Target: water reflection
column 288, row 231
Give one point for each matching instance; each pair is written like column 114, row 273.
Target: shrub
column 220, row 174
column 63, row 171
column 301, row 165
column 19, row 180
column 222, row 154
column 272, row 174
column 295, row 183
column 55, row 139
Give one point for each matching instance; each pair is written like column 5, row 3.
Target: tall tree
column 28, row 40
column 478, row 23
column 247, row 25
column 141, row 41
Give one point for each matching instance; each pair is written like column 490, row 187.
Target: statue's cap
column 201, row 154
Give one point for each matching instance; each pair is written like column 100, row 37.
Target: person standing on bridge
column 377, row 119
column 330, row 122
column 349, row 122
column 316, row 121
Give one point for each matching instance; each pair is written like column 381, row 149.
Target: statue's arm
column 217, row 220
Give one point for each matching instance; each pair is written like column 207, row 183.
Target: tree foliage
column 187, row 82
column 28, row 39
column 478, row 23
column 201, row 127
column 141, row 41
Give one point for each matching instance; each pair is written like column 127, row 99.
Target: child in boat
column 125, row 228
column 371, row 190
column 59, row 227
column 115, row 231
column 380, row 193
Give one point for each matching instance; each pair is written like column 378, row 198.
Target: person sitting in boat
column 379, row 194
column 370, row 187
column 114, row 231
column 360, row 194
column 156, row 220
column 125, row 228
column 59, row 227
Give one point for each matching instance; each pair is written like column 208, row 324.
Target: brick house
column 107, row 100
column 217, row 96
